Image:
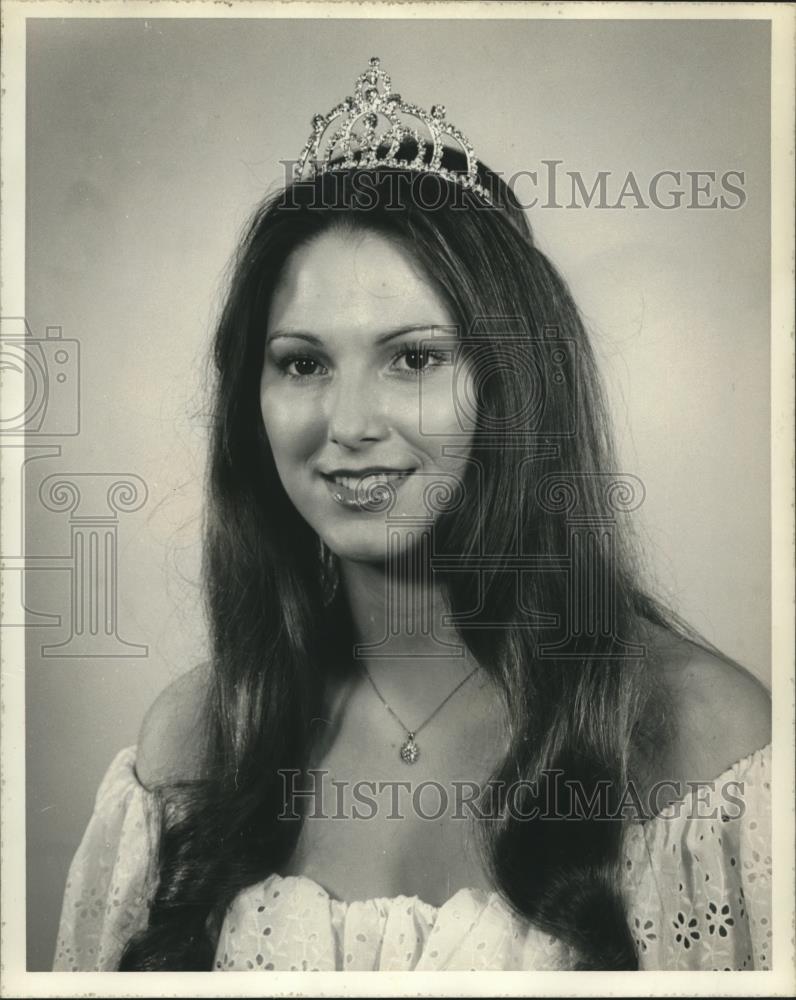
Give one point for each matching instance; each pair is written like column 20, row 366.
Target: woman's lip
column 366, row 498
column 375, row 471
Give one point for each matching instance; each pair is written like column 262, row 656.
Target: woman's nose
column 355, row 412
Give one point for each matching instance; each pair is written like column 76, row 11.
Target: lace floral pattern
column 112, row 875
column 698, row 878
column 697, row 881
column 292, row 924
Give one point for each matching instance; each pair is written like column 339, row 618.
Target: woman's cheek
column 447, row 410
column 292, row 425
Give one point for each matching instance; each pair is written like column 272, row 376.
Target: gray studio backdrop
column 149, row 141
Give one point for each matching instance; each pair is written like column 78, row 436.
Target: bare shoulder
column 169, row 741
column 722, row 712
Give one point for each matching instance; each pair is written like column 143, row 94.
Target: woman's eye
column 413, row 360
column 299, row 366
column 418, row 359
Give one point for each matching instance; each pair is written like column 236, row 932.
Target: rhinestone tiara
column 349, row 136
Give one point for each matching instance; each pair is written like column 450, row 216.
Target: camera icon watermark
column 40, row 380
column 507, row 386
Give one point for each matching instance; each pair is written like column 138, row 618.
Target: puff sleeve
column 112, row 875
column 698, row 876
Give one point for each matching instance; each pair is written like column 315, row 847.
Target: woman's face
column 349, row 399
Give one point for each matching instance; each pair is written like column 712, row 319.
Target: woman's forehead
column 354, row 281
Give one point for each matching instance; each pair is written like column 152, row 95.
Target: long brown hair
column 576, row 697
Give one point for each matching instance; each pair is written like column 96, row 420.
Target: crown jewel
column 349, row 136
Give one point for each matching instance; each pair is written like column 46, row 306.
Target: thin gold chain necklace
column 410, row 751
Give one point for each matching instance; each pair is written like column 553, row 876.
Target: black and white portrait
column 396, row 568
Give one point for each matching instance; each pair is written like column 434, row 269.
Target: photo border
column 14, row 979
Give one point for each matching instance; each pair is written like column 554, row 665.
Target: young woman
column 444, row 725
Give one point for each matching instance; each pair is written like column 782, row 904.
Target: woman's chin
column 372, row 544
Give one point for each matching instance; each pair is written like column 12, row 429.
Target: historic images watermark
column 550, row 797
column 549, row 185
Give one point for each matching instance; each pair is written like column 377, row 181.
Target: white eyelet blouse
column 697, row 881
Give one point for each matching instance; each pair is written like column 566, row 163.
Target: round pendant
column 410, row 751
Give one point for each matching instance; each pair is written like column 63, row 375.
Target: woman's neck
column 398, row 615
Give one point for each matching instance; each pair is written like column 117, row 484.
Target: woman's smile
column 366, row 491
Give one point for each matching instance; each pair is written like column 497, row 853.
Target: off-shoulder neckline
column 486, row 897
column 683, row 807
column 483, row 897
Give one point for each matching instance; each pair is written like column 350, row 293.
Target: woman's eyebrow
column 381, row 339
